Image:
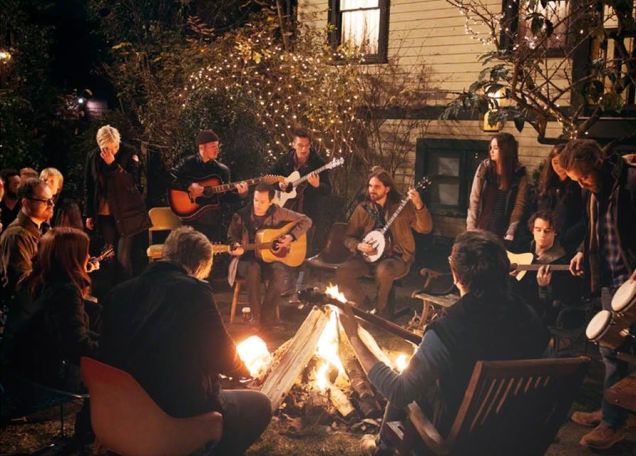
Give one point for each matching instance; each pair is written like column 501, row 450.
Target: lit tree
column 564, row 61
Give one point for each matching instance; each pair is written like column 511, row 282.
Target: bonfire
column 314, row 378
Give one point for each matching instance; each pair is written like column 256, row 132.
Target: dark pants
column 131, row 258
column 384, row 271
column 256, row 272
column 246, row 415
column 122, row 244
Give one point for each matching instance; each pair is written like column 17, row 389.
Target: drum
column 606, row 330
column 624, row 301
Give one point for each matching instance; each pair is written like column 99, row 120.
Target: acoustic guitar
column 377, row 238
column 267, row 248
column 188, row 208
column 294, row 178
column 521, row 263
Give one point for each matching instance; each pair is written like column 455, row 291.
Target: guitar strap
column 376, row 213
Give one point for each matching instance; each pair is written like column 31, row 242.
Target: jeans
column 246, row 415
column 615, row 370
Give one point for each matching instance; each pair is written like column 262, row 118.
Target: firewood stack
column 307, row 391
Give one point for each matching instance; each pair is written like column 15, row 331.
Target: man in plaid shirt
column 608, row 257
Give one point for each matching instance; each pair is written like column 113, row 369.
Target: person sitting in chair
column 383, row 199
column 488, row 322
column 164, row 329
column 541, row 290
column 263, row 213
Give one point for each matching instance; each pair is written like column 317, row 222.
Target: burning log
column 367, row 402
column 293, row 361
column 340, row 401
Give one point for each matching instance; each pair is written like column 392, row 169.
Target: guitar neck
column 535, row 267
column 388, row 224
column 299, row 181
column 225, row 248
column 232, row 185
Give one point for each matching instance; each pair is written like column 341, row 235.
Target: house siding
column 431, row 33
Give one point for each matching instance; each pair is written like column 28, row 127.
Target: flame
column 254, row 354
column 332, row 291
column 327, row 347
column 401, row 361
column 322, row 382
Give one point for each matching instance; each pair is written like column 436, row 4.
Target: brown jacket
column 361, row 223
column 275, row 217
column 18, row 246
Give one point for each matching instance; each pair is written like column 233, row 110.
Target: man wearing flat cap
column 192, row 169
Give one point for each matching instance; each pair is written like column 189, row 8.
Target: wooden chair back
column 162, row 219
column 128, row 422
column 515, row 407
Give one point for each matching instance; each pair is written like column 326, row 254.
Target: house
column 434, row 33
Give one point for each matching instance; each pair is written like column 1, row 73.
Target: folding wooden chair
column 509, row 407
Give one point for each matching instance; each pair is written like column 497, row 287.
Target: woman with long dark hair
column 562, row 196
column 49, row 346
column 498, row 194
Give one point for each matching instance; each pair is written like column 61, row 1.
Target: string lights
column 284, row 89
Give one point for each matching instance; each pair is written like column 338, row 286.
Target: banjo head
column 377, row 240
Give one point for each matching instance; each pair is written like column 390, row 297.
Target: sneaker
column 588, row 419
column 602, row 437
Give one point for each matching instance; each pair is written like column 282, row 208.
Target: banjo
column 377, row 238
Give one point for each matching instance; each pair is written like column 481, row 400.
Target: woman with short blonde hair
column 113, row 202
column 108, row 135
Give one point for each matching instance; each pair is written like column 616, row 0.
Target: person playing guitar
column 382, row 201
column 548, row 294
column 195, row 168
column 242, row 231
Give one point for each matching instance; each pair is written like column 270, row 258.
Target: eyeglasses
column 48, row 202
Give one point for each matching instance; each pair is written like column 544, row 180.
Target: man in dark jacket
column 547, row 294
column 113, row 203
column 191, row 170
column 489, row 322
column 163, row 328
column 608, row 256
column 311, row 194
column 304, row 159
column 242, row 231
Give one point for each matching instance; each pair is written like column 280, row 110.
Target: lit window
column 362, row 24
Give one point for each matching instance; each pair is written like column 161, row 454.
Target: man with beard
column 204, row 164
column 383, row 200
column 608, row 257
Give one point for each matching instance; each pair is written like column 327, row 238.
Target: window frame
column 469, row 152
column 335, row 33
